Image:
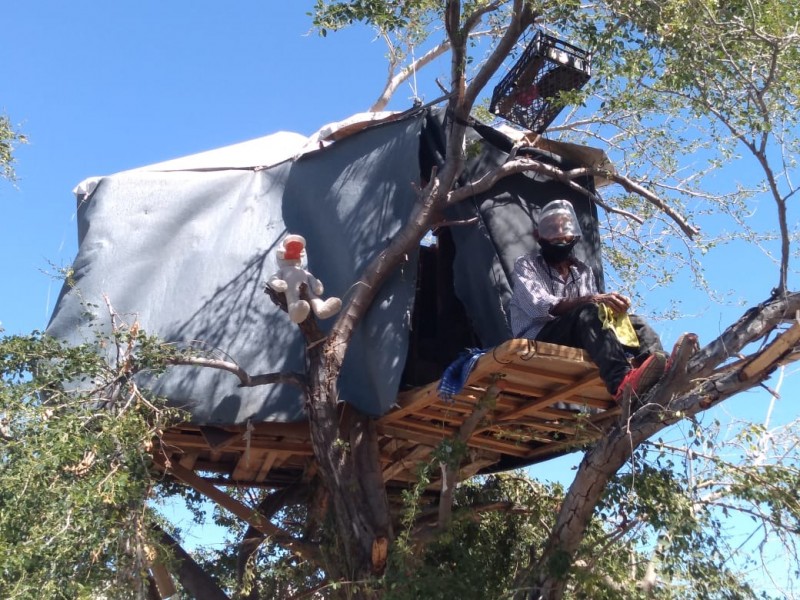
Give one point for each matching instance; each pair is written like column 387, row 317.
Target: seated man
column 555, row 299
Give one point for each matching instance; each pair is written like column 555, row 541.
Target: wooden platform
column 552, row 402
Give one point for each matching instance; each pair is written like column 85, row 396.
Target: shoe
column 637, row 381
column 684, row 339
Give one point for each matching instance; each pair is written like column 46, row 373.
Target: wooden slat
column 563, row 394
column 269, row 461
column 240, row 445
column 522, row 423
column 411, row 401
column 187, row 460
column 474, row 441
column 408, row 462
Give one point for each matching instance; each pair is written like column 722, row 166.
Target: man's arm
column 614, row 300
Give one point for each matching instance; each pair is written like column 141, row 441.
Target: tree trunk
column 345, row 446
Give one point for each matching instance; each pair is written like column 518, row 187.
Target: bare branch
column 245, row 379
column 395, row 80
column 450, row 468
column 633, row 187
column 524, row 165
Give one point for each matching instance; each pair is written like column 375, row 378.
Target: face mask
column 556, row 253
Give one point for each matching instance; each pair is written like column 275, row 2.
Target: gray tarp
column 186, row 254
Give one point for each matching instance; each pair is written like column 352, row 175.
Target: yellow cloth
column 620, row 324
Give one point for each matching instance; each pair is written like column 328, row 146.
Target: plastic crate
column 526, row 95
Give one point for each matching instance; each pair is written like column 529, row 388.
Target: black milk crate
column 527, row 94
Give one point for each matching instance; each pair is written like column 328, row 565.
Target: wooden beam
column 248, row 514
column 539, row 373
column 190, row 442
column 434, row 434
column 187, row 460
column 248, row 464
column 266, row 466
column 770, row 355
column 562, row 394
column 408, row 462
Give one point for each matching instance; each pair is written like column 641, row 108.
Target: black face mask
column 556, row 253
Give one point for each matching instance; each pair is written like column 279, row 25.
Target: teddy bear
column 291, row 275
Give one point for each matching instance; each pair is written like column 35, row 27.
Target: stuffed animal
column 291, row 275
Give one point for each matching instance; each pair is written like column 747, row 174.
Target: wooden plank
column 411, row 401
column 266, row 466
column 258, row 443
column 248, row 464
column 187, row 460
column 540, row 373
column 408, row 462
column 292, row 430
column 562, row 394
column 248, row 514
column 778, row 348
column 474, row 441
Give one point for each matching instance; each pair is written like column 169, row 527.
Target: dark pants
column 582, row 328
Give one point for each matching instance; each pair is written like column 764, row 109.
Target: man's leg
column 582, row 328
column 649, row 342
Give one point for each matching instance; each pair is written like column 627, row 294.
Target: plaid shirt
column 537, row 288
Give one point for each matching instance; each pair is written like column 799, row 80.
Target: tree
column 682, row 59
column 712, row 77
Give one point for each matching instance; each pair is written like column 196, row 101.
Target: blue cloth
column 455, row 376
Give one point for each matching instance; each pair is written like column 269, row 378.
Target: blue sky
column 100, row 87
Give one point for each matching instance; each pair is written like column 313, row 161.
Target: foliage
column 481, row 552
column 271, row 571
column 75, row 468
column 9, row 137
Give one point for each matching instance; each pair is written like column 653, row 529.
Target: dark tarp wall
column 486, row 251
column 186, row 255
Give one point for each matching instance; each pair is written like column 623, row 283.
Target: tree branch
column 245, row 379
column 395, row 80
column 524, row 165
column 451, row 467
column 192, row 576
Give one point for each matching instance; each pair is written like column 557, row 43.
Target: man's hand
column 614, row 300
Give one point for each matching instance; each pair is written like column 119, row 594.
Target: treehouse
column 183, row 249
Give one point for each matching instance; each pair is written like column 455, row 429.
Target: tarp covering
column 186, row 253
column 184, row 248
